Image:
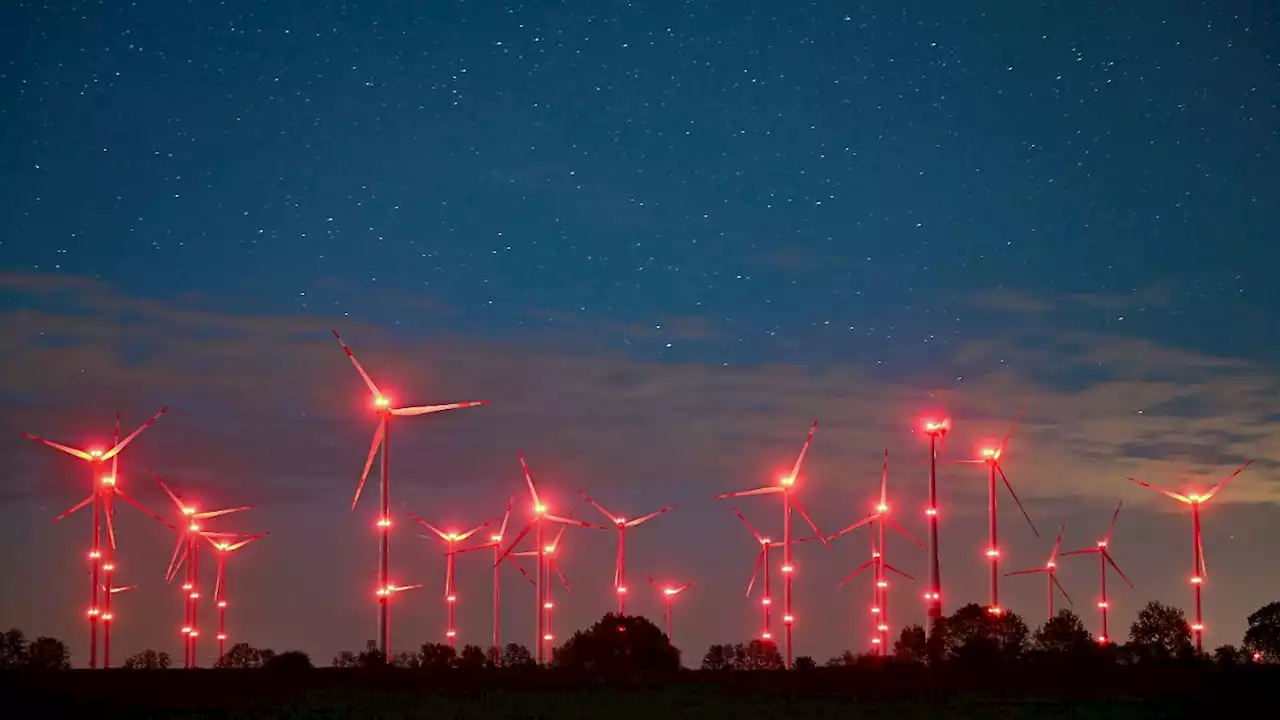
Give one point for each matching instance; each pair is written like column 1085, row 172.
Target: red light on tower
column 451, row 539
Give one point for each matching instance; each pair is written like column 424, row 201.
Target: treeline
column 969, row 638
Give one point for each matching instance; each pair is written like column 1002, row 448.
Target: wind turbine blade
column 1017, row 420
column 748, row 524
column 612, row 518
column 219, row 513
column 908, row 576
column 1083, row 551
column 757, row 491
column 682, row 588
column 155, row 516
column 853, row 527
column 115, row 440
column 217, row 583
column 650, row 516
column 515, row 542
column 1218, row 488
column 443, row 535
column 126, row 588
column 506, row 516
column 1204, row 562
column 884, row 480
column 109, row 514
column 179, row 557
column 901, row 530
column 755, row 572
column 1032, row 571
column 523, row 572
column 120, row 446
column 473, row 531
column 1114, row 516
column 855, row 573
column 795, row 502
column 555, row 542
column 368, row 463
column 59, row 446
column 1113, row 564
column 1176, row 496
column 1058, row 584
column 168, row 491
column 573, row 522
column 74, row 508
column 795, row 469
column 563, row 580
column 363, row 375
column 237, row 545
column 1009, row 486
column 1057, row 544
column 427, row 409
column 528, row 478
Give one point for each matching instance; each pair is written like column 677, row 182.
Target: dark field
column 1119, row 693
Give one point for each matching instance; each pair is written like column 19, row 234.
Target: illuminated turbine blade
column 120, row 446
column 506, row 516
column 219, row 513
column 363, row 375
column 908, row 576
column 1113, row 564
column 426, row 409
column 1014, row 495
column 1058, row 583
column 901, row 530
column 757, row 491
column 515, row 542
column 126, row 588
column 1057, row 544
column 143, row 508
column 612, row 518
column 217, row 582
column 884, row 480
column 1218, row 488
column 748, row 524
column 472, row 531
column 1115, row 516
column 528, row 478
column 1032, row 571
column 756, row 572
column 795, row 502
column 1203, row 571
column 555, row 542
column 1017, row 420
column 78, row 506
column 852, row 527
column 523, row 572
column 109, row 514
column 115, row 440
column 59, row 446
column 167, row 491
column 443, row 535
column 179, row 557
column 403, row 588
column 1176, row 496
column 682, row 588
column 563, row 580
column 855, row 573
column 795, row 469
column 368, row 463
column 650, row 516
column 571, row 521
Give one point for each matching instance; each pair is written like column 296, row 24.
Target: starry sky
column 662, row 238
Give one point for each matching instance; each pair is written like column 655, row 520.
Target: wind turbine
column 382, row 440
column 224, row 550
column 495, row 543
column 669, row 593
column 1050, row 569
column 787, row 488
column 1104, row 559
column 620, row 565
column 550, row 565
column 451, row 539
column 937, row 431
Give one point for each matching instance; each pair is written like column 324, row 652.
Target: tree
column 472, row 658
column 718, row 657
column 618, row 645
column 407, row 660
column 346, row 659
column 1263, row 634
column 287, row 661
column 516, row 655
column 46, row 653
column 1161, row 632
column 804, row 662
column 148, row 660
column 371, row 657
column 912, row 645
column 757, row 655
column 435, row 656
column 241, row 656
column 844, row 659
column 1230, row 655
column 13, row 650
column 976, row 635
column 1064, row 634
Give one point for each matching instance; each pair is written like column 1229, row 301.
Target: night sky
column 662, row 238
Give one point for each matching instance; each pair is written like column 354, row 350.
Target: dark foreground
column 1116, row 693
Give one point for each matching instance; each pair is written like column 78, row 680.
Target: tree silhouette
column 46, row 653
column 1161, row 632
column 1064, row 634
column 1263, row 635
column 346, row 659
column 148, row 660
column 718, row 657
column 618, row 645
column 976, row 635
column 1230, row 655
column 13, row 650
column 371, row 657
column 912, row 645
column 287, row 661
column 407, row 660
column 472, row 658
column 241, row 656
column 516, row 655
column 757, row 655
column 845, row 659
column 804, row 662
column 437, row 655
